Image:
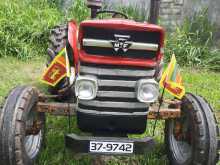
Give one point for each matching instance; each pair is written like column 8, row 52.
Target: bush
column 192, row 43
column 25, row 25
column 138, row 11
column 78, row 11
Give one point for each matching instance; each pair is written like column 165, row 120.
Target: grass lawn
column 14, row 72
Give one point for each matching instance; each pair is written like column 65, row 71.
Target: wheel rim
column 181, row 146
column 32, row 143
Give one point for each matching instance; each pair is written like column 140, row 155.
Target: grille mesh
column 116, row 88
column 108, row 34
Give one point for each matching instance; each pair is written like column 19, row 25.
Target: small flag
column 171, row 79
column 57, row 70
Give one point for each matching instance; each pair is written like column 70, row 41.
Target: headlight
column 86, row 87
column 147, row 91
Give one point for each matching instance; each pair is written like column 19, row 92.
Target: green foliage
column 133, row 12
column 79, row 11
column 55, row 3
column 192, row 43
column 25, row 25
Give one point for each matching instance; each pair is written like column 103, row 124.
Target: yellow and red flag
column 57, row 69
column 171, row 79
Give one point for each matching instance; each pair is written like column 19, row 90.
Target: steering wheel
column 114, row 13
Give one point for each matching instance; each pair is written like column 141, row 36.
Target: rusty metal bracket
column 34, row 130
column 58, row 109
column 44, row 98
column 66, row 109
column 164, row 114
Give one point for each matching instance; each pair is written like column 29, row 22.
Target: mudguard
column 73, row 40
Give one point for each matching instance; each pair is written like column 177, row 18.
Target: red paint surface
column 176, row 90
column 121, row 24
column 115, row 61
column 72, row 38
column 61, row 70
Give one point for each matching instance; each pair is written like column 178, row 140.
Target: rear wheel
column 58, row 41
column 192, row 139
column 22, row 127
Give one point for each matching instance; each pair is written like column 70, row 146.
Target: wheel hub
column 34, row 136
column 180, row 138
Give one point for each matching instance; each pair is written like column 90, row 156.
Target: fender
column 72, row 39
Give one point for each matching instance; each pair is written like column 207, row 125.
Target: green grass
column 193, row 42
column 15, row 72
column 25, row 25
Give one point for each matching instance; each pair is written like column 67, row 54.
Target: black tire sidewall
column 15, row 112
column 56, row 45
column 204, row 135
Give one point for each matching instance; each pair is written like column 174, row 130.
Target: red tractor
column 109, row 79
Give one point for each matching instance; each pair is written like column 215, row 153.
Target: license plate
column 111, row 147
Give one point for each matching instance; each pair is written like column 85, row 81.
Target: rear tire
column 193, row 138
column 17, row 115
column 58, row 40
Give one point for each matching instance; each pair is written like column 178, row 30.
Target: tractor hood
column 121, row 42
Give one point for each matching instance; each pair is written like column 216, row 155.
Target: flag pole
column 158, row 111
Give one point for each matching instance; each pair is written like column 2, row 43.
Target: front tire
column 17, row 147
column 192, row 139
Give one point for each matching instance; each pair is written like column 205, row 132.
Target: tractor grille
column 116, row 88
column 108, row 35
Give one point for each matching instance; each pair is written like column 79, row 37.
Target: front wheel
column 22, row 127
column 192, row 139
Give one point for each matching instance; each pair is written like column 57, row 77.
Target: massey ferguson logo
column 121, row 43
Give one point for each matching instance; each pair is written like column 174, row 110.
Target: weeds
column 25, row 25
column 192, row 43
column 135, row 13
column 78, row 11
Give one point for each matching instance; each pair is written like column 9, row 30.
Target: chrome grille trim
column 118, row 83
column 117, row 72
column 112, row 113
column 119, row 94
column 107, row 44
column 116, row 89
column 110, row 104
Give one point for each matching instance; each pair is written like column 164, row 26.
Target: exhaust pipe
column 154, row 11
column 94, row 5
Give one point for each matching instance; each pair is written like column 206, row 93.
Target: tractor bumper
column 82, row 144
